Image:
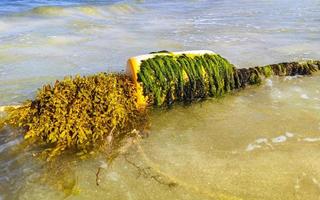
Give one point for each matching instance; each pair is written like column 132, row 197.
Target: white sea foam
column 257, row 144
column 252, row 147
column 261, row 140
column 289, row 135
column 309, row 139
column 279, row 139
column 304, row 96
column 288, row 78
column 269, row 82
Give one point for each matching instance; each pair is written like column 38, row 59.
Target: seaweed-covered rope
column 167, row 78
column 86, row 113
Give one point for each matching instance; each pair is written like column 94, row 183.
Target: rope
column 167, row 78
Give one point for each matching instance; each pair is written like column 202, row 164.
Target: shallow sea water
column 259, row 143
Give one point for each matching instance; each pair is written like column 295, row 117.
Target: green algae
column 80, row 113
column 95, row 112
column 185, row 78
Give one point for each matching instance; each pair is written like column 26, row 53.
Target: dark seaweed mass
column 166, row 79
column 80, row 113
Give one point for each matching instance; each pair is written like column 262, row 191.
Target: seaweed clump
column 185, row 78
column 167, row 78
column 91, row 112
column 80, row 113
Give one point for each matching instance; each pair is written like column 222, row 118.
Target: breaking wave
column 89, row 11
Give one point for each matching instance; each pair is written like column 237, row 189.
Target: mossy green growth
column 86, row 113
column 80, row 113
column 255, row 77
column 267, row 71
column 167, row 78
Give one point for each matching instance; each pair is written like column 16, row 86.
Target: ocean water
column 41, row 41
column 15, row 6
column 260, row 143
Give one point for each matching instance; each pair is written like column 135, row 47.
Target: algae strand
column 185, row 78
column 80, row 113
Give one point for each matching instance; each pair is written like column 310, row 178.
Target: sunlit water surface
column 260, row 143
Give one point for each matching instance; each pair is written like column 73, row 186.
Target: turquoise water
column 261, row 143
